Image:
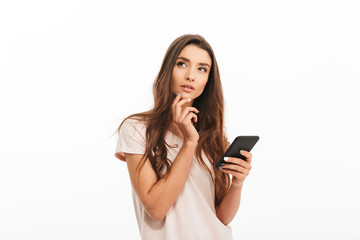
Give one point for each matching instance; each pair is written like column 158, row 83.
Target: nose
column 190, row 75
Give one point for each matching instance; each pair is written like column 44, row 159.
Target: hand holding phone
column 240, row 143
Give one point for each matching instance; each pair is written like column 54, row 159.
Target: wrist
column 236, row 183
column 190, row 143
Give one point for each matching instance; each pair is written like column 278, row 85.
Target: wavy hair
column 210, row 126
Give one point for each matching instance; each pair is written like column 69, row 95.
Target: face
column 191, row 72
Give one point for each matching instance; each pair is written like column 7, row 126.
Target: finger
column 173, row 106
column 238, row 161
column 187, row 110
column 236, row 168
column 188, row 117
column 178, row 108
column 182, row 102
column 176, row 100
column 193, row 109
column 246, row 154
column 234, row 173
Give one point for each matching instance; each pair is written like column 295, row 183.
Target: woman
column 171, row 150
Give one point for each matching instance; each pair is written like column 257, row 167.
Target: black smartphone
column 240, row 143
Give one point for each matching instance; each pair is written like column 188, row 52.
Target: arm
column 229, row 206
column 157, row 196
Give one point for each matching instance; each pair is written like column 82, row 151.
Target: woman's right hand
column 182, row 118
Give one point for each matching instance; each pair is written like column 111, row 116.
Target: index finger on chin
column 177, row 99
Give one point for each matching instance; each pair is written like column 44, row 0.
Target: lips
column 188, row 86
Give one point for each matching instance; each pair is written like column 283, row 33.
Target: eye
column 181, row 64
column 203, row 69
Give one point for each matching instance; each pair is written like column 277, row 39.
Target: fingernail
column 188, row 99
column 241, row 151
column 220, row 167
column 223, row 164
column 226, row 159
column 178, row 94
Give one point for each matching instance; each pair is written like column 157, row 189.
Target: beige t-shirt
column 193, row 216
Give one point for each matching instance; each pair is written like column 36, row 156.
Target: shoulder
column 131, row 125
column 131, row 138
column 135, row 122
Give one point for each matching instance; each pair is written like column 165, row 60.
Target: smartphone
column 240, row 143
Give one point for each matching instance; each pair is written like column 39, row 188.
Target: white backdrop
column 71, row 70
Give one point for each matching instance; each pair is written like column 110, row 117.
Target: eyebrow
column 187, row 60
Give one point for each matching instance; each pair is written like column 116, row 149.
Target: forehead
column 195, row 54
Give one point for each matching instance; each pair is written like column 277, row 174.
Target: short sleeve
column 131, row 139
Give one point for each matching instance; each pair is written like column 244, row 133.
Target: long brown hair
column 212, row 138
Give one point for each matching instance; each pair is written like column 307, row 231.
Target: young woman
column 171, row 150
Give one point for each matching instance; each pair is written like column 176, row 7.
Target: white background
column 71, row 70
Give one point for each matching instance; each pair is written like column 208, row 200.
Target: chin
column 187, row 95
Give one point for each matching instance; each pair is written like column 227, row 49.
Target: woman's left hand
column 240, row 169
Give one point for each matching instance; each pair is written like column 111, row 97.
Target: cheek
column 203, row 82
column 175, row 75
